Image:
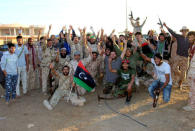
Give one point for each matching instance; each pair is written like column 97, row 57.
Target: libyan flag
column 83, row 78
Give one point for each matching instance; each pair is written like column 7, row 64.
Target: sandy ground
column 28, row 114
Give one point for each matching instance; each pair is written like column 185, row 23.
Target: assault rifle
column 156, row 95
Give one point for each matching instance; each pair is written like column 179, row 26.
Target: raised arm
column 92, row 30
column 47, row 37
column 144, row 22
column 73, row 33
column 124, row 50
column 68, row 37
column 163, row 31
column 102, row 35
column 116, row 47
column 62, row 32
column 53, row 70
column 82, row 36
column 39, row 34
column 112, row 33
column 132, row 23
column 171, row 31
column 20, row 31
column 98, row 36
column 139, row 50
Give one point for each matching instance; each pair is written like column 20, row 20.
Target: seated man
column 163, row 73
column 65, row 82
column 110, row 77
column 127, row 78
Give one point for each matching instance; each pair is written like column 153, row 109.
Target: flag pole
column 70, row 93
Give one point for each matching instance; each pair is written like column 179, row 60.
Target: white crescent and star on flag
column 82, row 76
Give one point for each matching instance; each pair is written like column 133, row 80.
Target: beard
column 66, row 73
column 63, row 55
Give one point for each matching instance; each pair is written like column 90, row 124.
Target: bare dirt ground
column 28, row 114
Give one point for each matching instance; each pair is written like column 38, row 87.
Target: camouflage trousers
column 179, row 66
column 192, row 91
column 175, row 73
column 150, row 70
column 45, row 73
column 58, row 94
column 31, row 78
column 10, row 86
column 39, row 76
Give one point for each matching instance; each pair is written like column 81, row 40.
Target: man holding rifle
column 164, row 80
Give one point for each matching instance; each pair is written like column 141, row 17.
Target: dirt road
column 28, row 114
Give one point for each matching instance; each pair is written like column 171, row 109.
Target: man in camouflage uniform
column 40, row 46
column 48, row 56
column 76, row 44
column 61, row 60
column 95, row 66
column 65, row 83
column 74, row 63
column 175, row 73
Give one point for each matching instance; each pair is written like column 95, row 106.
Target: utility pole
column 126, row 30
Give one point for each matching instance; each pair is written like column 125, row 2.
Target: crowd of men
column 115, row 63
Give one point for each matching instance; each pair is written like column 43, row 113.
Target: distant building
column 9, row 32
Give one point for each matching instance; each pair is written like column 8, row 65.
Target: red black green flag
column 83, row 78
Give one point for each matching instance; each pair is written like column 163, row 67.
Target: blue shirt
column 116, row 64
column 9, row 63
column 21, row 58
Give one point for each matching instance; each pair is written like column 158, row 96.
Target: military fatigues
column 62, row 90
column 59, row 66
column 48, row 57
column 39, row 49
column 191, row 82
column 95, row 67
column 75, row 47
column 181, row 64
column 74, row 64
column 175, row 73
column 61, row 63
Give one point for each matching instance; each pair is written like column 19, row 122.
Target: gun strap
column 21, row 51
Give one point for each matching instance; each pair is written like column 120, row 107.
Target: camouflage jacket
column 95, row 67
column 75, row 47
column 61, row 63
column 48, row 56
column 64, row 82
column 192, row 67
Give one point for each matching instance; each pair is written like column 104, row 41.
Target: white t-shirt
column 161, row 70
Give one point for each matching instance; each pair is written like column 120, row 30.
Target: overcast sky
column 107, row 14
